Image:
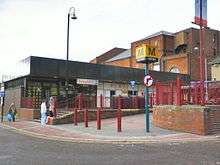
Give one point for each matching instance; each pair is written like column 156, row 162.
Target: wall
column 13, row 95
column 119, row 88
column 211, row 49
column 188, row 118
column 28, row 114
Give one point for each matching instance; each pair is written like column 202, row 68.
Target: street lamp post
column 71, row 14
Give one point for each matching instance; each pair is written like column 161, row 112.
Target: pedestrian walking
column 43, row 110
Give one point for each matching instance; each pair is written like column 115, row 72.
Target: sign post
column 147, row 54
column 147, row 102
column 201, row 20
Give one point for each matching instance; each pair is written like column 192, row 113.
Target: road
column 18, row 149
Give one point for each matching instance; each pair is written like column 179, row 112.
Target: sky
column 39, row 27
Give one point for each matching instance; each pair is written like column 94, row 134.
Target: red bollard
column 101, row 101
column 98, row 113
column 151, row 100
column 98, row 118
column 119, row 120
column 119, row 114
column 157, row 86
column 75, row 116
column 178, row 91
column 171, row 93
column 86, row 117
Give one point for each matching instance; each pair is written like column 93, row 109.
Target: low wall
column 28, row 114
column 187, row 118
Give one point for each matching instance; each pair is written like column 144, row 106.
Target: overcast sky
column 39, row 27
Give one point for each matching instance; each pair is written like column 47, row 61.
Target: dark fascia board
column 94, row 71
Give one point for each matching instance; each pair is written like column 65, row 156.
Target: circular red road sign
column 148, row 80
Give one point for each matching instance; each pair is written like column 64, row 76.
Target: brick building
column 163, row 40
column 179, row 52
column 185, row 58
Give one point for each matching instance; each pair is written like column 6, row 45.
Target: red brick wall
column 28, row 114
column 192, row 119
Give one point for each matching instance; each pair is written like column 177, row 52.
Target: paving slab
column 133, row 131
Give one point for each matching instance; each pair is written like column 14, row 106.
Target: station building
column 44, row 77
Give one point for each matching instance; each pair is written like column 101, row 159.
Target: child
column 13, row 111
column 10, row 115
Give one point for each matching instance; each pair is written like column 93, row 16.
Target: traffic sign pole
column 147, row 54
column 147, row 102
column 2, row 109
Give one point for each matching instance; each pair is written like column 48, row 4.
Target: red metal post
column 202, row 66
column 161, row 89
column 189, row 94
column 98, row 113
column 86, row 117
column 101, row 101
column 178, row 91
column 157, row 85
column 151, row 100
column 98, row 118
column 119, row 114
column 196, row 94
column 75, row 116
column 171, row 93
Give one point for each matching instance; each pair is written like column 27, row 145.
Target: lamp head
column 73, row 16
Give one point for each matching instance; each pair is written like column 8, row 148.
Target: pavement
column 133, row 131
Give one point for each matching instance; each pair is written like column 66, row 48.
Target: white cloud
column 38, row 27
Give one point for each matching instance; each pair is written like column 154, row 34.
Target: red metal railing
column 177, row 93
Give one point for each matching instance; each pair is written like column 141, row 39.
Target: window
column 156, row 66
column 175, row 70
column 132, row 93
column 181, row 49
column 112, row 93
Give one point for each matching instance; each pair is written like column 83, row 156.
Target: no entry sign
column 148, row 80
